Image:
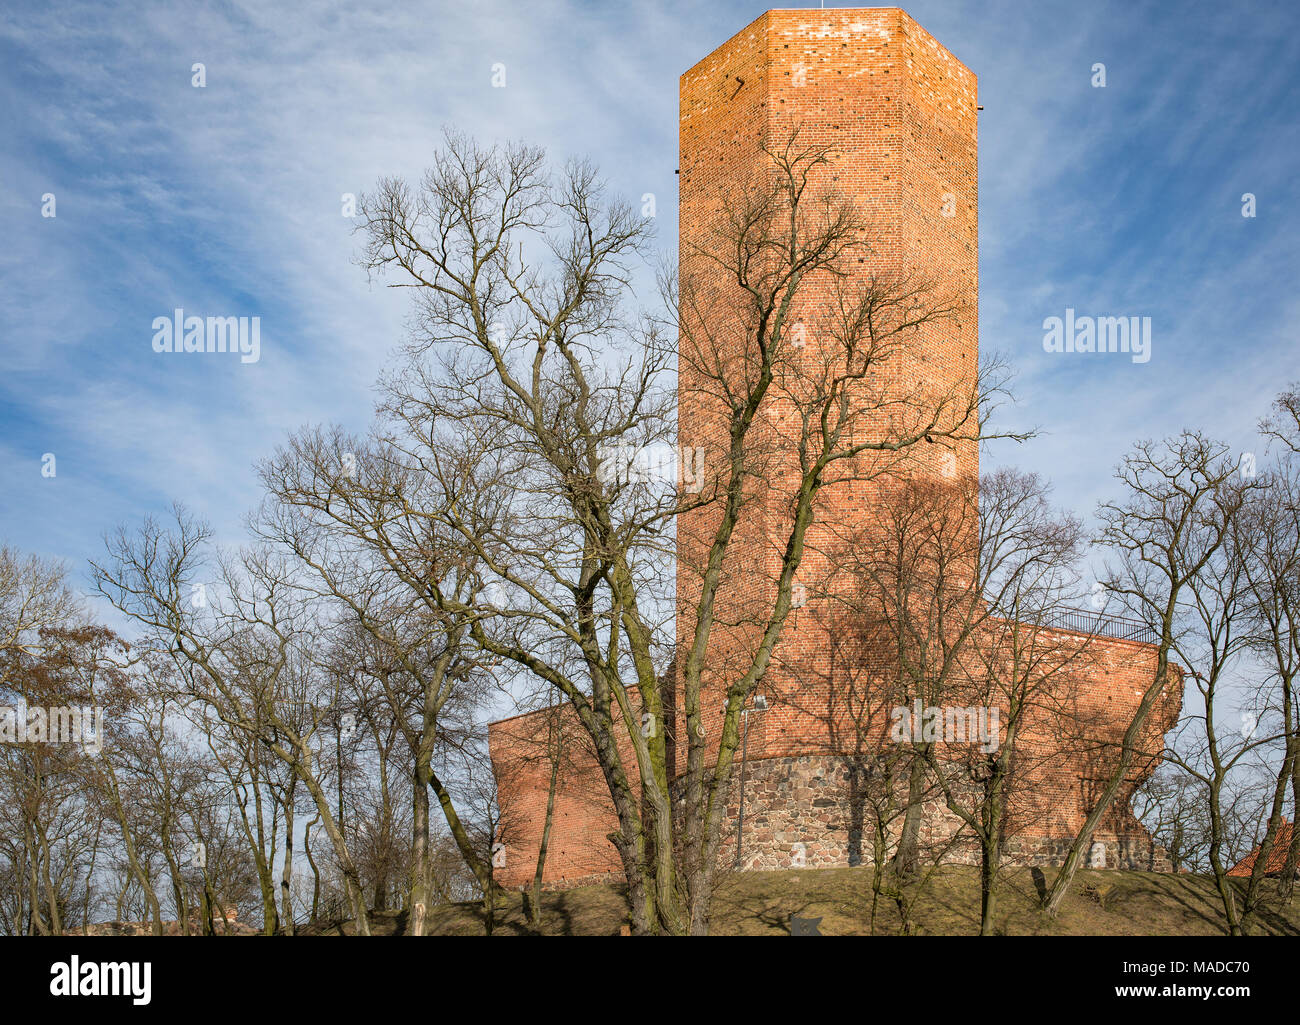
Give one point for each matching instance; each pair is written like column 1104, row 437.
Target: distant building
column 1276, row 856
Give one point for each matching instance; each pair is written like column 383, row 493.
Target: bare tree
column 48, row 677
column 245, row 650
column 1277, row 607
column 958, row 587
column 1021, row 671
column 368, row 521
column 524, row 353
column 34, row 595
column 1169, row 803
column 1174, row 520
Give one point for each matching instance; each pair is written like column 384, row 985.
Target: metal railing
column 1101, row 625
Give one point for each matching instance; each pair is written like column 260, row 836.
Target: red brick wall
column 897, row 113
column 523, row 749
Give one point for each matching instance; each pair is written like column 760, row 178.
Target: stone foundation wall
column 809, row 811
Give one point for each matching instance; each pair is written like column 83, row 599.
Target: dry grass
column 947, row 903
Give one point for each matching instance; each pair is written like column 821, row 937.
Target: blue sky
column 225, row 201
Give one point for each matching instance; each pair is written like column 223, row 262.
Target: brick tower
column 897, row 114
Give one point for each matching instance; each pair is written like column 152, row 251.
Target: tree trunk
column 988, row 878
column 315, row 869
column 352, row 878
column 906, row 860
column 132, row 854
column 1292, row 863
column 534, row 910
column 1052, row 903
column 419, row 886
column 286, row 872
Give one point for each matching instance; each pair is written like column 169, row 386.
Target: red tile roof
column 1276, row 857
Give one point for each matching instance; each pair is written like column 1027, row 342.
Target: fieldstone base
column 812, row 811
column 809, row 811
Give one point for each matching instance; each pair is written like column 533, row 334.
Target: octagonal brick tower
column 897, row 113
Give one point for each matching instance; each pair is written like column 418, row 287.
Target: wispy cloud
column 226, row 200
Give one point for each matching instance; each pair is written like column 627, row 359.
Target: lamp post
column 759, row 703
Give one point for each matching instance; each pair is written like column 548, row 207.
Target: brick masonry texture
column 899, row 115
